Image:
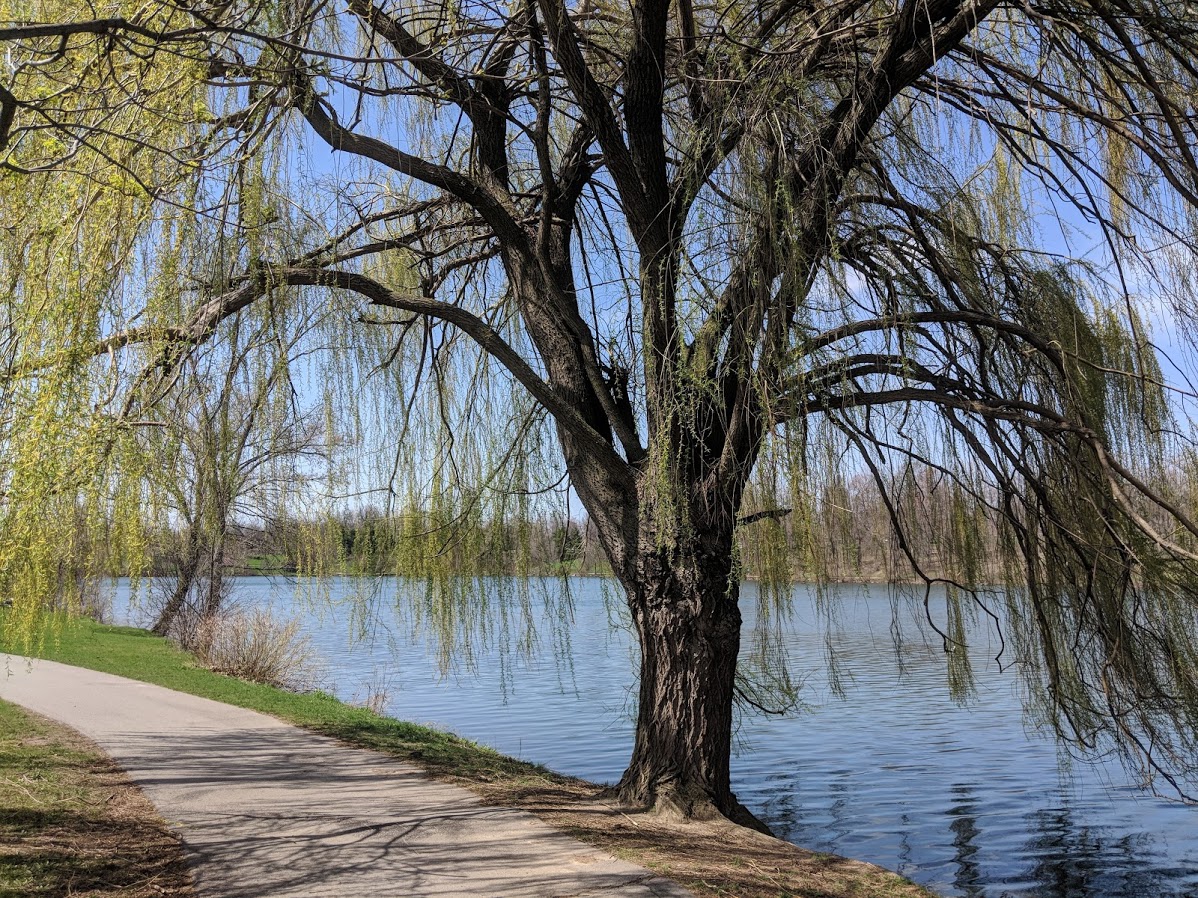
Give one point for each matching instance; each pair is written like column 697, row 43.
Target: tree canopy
column 710, row 258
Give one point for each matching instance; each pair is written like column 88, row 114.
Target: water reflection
column 1072, row 858
column 960, row 798
column 963, row 811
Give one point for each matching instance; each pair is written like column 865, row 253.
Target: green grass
column 268, row 564
column 139, row 655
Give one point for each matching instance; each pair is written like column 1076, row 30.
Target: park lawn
column 712, row 859
column 71, row 823
column 267, row 564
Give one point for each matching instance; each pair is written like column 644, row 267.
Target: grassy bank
column 711, row 859
column 139, row 655
column 71, row 823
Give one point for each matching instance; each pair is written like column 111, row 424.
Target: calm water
column 962, row 799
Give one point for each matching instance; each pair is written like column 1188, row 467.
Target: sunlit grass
column 139, row 655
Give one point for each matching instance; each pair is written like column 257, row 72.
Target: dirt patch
column 711, row 859
column 71, row 822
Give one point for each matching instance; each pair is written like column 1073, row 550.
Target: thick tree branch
column 487, row 338
column 425, row 60
column 93, row 27
column 8, row 110
column 597, row 111
column 644, row 88
column 491, row 203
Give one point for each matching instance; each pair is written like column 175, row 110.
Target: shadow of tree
column 278, row 811
column 71, row 823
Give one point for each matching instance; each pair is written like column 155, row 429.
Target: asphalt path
column 267, row 809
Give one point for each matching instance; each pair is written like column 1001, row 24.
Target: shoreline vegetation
column 714, row 859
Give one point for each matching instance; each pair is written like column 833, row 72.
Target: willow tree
column 225, row 459
column 725, row 249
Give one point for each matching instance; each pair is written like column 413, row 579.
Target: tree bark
column 684, row 604
column 184, row 579
column 216, row 562
column 216, row 578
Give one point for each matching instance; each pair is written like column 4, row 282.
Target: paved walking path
column 266, row 809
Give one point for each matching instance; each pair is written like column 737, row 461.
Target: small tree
column 227, row 446
column 717, row 246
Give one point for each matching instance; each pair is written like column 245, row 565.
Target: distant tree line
column 844, row 534
column 369, row 541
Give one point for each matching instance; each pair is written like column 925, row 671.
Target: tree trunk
column 216, row 578
column 184, row 579
column 684, row 607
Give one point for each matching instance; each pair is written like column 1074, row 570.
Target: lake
column 963, row 798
